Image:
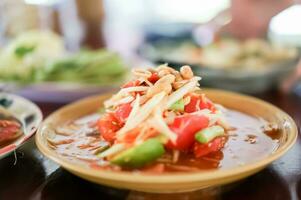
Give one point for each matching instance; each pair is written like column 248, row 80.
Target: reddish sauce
column 249, row 141
column 10, row 129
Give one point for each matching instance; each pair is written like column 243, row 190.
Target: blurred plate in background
column 51, row 92
column 258, row 75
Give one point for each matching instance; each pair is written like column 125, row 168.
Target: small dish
column 26, row 112
column 167, row 183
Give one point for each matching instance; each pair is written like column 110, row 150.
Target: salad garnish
column 160, row 110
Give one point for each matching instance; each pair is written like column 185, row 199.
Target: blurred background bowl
column 180, row 47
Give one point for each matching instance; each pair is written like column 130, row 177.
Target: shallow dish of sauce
column 19, row 119
column 10, row 129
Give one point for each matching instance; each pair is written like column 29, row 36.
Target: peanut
column 178, row 76
column 186, row 72
column 163, row 84
column 176, row 85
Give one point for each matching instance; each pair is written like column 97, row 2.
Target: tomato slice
column 122, row 112
column 207, row 103
column 198, row 101
column 131, row 84
column 107, row 126
column 185, row 127
column 154, row 77
column 201, row 150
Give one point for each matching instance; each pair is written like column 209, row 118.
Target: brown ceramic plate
column 164, row 183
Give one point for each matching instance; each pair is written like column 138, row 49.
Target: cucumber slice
column 140, row 155
column 206, row 135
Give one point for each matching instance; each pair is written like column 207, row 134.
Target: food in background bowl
column 224, row 53
column 28, row 52
column 250, row 55
column 40, row 56
column 249, row 66
column 161, row 121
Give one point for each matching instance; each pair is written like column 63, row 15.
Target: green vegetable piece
column 178, row 105
column 23, row 50
column 206, row 135
column 140, row 155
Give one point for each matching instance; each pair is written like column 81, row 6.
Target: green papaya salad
column 160, row 112
column 37, row 56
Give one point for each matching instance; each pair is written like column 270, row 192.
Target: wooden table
column 29, row 175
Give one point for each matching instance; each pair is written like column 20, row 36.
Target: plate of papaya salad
column 162, row 132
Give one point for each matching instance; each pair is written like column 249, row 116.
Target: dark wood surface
column 27, row 174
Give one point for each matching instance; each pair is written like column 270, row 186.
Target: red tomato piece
column 206, row 103
column 107, row 126
column 198, row 101
column 154, row 77
column 192, row 105
column 131, row 84
column 122, row 112
column 205, row 149
column 185, row 127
